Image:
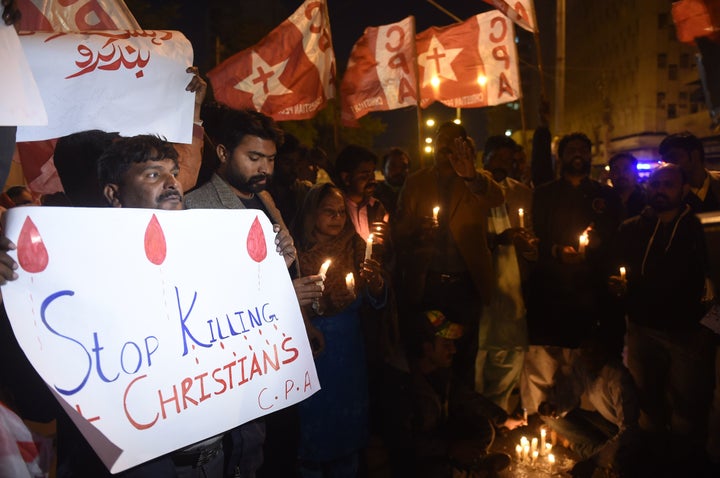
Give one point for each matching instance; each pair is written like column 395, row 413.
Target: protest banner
column 20, row 102
column 157, row 329
column 132, row 82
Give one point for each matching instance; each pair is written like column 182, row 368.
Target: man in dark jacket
column 669, row 354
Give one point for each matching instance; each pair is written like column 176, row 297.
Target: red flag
column 381, row 71
column 470, row 64
column 522, row 13
column 696, row 18
column 289, row 75
column 73, row 15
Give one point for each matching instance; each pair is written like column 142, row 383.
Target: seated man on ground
column 445, row 427
column 605, row 436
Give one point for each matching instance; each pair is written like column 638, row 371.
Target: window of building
column 685, row 60
column 671, row 111
column 672, row 72
column 661, row 100
column 662, row 60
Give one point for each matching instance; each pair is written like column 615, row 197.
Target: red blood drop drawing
column 256, row 242
column 155, row 245
column 31, row 251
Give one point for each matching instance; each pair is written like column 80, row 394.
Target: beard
column 577, row 166
column 248, row 185
column 662, row 203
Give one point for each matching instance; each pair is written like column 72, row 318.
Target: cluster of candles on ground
column 530, row 451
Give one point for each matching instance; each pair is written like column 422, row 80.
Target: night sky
column 348, row 19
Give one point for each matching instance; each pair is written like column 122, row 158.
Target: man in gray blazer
column 246, row 146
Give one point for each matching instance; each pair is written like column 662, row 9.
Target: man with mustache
column 246, row 144
column 669, row 353
column 566, row 293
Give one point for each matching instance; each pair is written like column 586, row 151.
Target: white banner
column 157, row 329
column 20, row 102
column 132, row 82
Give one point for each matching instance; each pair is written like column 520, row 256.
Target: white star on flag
column 436, row 61
column 263, row 80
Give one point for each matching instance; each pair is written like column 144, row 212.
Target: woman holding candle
column 334, row 421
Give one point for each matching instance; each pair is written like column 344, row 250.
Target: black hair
column 15, row 191
column 457, row 129
column 117, row 159
column 393, row 152
column 75, row 158
column 229, row 127
column 496, row 142
column 618, row 156
column 572, row 137
column 686, row 141
column 351, row 157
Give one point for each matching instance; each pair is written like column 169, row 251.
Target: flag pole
column 413, row 32
column 541, row 68
column 445, row 10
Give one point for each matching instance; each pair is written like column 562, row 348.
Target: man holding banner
column 141, row 172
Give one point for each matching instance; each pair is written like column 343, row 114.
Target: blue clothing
column 334, row 421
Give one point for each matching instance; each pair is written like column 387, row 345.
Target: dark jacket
column 665, row 270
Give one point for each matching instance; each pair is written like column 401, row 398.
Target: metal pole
column 445, row 11
column 560, row 68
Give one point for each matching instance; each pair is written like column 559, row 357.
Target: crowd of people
column 480, row 291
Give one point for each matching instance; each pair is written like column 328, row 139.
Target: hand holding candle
column 369, row 247
column 324, row 268
column 323, row 271
column 350, row 283
column 583, row 241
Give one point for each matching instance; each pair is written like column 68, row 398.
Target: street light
column 430, row 123
column 428, row 140
column 457, row 121
column 428, row 149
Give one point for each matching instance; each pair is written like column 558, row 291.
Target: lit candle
column 436, row 211
column 534, row 456
column 368, row 247
column 623, row 271
column 524, row 441
column 526, row 452
column 350, row 282
column 543, row 432
column 534, row 444
column 583, row 241
column 525, row 415
column 548, row 448
column 324, row 268
column 518, row 452
column 521, row 217
column 551, row 459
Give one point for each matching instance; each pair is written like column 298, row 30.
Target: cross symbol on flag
column 437, row 61
column 266, row 75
